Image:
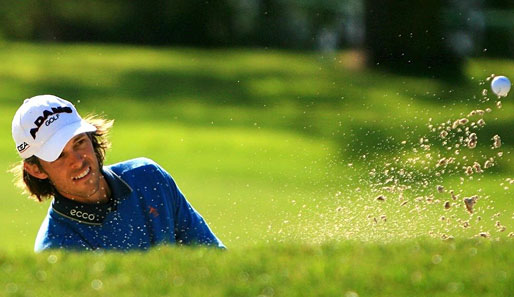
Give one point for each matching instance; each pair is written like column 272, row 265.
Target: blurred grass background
column 270, row 145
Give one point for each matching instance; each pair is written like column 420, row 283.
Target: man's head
column 62, row 152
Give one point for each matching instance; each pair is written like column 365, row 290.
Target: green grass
column 413, row 268
column 283, row 153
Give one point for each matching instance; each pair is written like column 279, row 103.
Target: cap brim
column 52, row 149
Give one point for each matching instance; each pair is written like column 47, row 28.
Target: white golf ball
column 500, row 86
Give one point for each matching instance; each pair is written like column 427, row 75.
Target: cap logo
column 22, row 147
column 44, row 118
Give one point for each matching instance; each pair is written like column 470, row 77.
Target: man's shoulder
column 132, row 165
column 54, row 233
column 139, row 171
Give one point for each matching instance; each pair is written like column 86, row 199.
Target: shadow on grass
column 167, row 85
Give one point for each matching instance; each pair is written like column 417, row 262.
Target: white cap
column 44, row 124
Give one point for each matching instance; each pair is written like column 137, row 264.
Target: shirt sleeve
column 190, row 227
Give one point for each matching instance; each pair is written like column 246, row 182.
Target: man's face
column 76, row 173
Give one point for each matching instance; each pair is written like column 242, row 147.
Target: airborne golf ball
column 500, row 86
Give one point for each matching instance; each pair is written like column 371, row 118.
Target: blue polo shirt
column 146, row 208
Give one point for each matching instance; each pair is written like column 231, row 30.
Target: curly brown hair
column 42, row 189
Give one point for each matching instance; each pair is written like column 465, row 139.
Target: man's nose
column 76, row 159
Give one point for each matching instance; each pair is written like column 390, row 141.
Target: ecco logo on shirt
column 44, row 119
column 82, row 214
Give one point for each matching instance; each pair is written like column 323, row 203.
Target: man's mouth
column 82, row 174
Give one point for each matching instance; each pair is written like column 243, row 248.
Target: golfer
column 129, row 205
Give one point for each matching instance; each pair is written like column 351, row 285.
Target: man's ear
column 34, row 170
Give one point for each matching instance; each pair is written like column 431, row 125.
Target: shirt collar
column 93, row 214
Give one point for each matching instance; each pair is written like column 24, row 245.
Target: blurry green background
column 279, row 120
